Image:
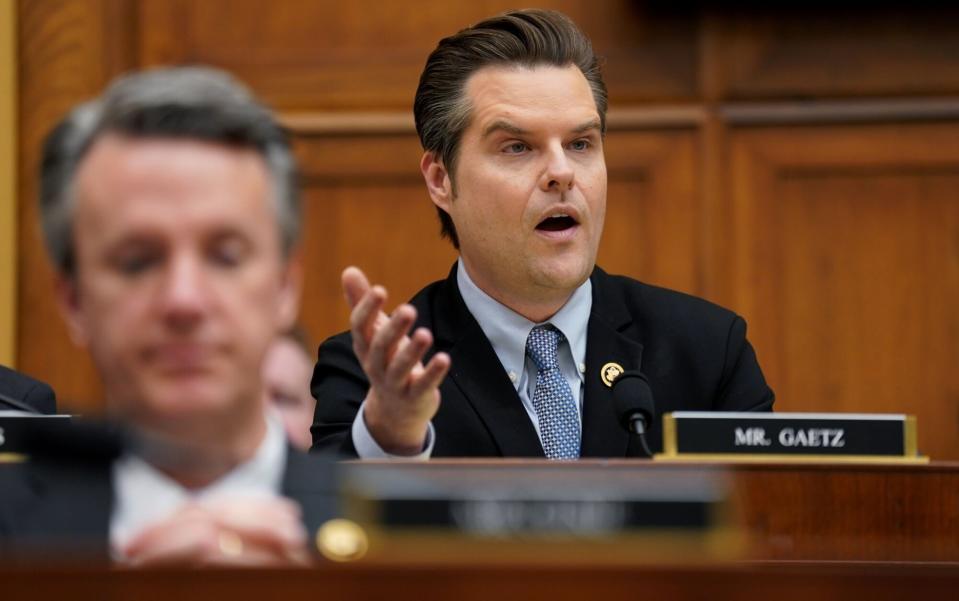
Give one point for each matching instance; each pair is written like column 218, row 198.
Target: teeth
column 558, row 215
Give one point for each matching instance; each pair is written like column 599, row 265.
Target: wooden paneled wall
column 799, row 165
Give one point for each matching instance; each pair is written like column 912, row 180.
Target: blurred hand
column 225, row 532
column 404, row 394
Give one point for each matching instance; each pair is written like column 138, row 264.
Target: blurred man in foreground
column 511, row 113
column 170, row 212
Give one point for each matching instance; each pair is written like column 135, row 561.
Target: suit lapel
column 480, row 378
column 606, row 342
column 311, row 480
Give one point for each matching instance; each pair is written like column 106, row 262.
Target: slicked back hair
column 191, row 103
column 525, row 38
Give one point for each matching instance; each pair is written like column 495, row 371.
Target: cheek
column 252, row 311
column 116, row 316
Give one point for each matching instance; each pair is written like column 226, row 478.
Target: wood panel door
column 342, row 77
column 845, row 258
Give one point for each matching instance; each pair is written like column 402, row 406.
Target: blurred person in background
column 286, row 374
column 170, row 212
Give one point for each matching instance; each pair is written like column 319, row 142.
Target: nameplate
column 526, row 500
column 559, row 511
column 786, row 436
column 18, row 430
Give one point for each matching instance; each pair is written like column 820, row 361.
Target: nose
column 185, row 295
column 558, row 174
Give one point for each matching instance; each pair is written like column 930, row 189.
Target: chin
column 563, row 275
column 187, row 399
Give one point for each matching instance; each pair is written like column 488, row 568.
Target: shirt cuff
column 367, row 448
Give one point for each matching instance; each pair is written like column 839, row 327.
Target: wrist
column 396, row 436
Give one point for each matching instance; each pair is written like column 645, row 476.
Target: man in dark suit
column 512, row 116
column 24, row 389
column 170, row 212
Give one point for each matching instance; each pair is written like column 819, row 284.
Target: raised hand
column 404, row 394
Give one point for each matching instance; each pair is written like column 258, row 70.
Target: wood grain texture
column 846, row 261
column 368, row 54
column 366, row 204
column 466, row 582
column 811, row 50
column 735, row 170
column 68, row 51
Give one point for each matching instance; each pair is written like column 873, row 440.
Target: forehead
column 169, row 181
column 543, row 95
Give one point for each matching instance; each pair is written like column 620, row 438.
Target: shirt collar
column 507, row 330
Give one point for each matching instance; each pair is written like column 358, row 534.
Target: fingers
column 366, row 317
column 386, row 341
column 403, row 395
column 409, row 353
column 228, row 531
column 431, row 376
column 355, row 285
column 182, row 539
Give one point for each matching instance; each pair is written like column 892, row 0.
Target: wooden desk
column 804, row 513
column 846, row 512
column 808, row 512
column 875, row 582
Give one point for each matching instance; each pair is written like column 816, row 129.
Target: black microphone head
column 632, row 398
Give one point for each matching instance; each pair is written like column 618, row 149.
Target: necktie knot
column 542, row 345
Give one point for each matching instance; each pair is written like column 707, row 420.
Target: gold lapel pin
column 610, row 372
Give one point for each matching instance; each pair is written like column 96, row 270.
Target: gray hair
column 528, row 38
column 198, row 103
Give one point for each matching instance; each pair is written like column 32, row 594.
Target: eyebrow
column 591, row 124
column 506, row 126
column 501, row 125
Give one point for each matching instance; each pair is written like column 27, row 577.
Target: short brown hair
column 527, row 38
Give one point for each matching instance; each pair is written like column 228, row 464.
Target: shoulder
column 649, row 304
column 22, row 387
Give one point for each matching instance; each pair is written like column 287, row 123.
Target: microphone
column 633, row 401
column 18, row 405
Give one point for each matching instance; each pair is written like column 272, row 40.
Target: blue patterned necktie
column 553, row 401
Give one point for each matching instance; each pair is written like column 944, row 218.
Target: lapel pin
column 610, row 372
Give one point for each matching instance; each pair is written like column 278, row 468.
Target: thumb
column 355, row 285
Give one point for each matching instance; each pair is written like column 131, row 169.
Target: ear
column 67, row 292
column 288, row 305
column 438, row 181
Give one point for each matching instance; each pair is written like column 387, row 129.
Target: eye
column 134, row 260
column 228, row 252
column 135, row 264
column 516, row 148
column 580, row 145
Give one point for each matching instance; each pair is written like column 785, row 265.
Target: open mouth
column 557, row 223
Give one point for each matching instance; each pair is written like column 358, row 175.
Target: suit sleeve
column 42, row 398
column 339, row 387
column 743, row 387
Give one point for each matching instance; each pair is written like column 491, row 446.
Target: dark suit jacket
column 63, row 508
column 21, row 387
column 694, row 354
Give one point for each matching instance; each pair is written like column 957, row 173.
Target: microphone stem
column 642, row 442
